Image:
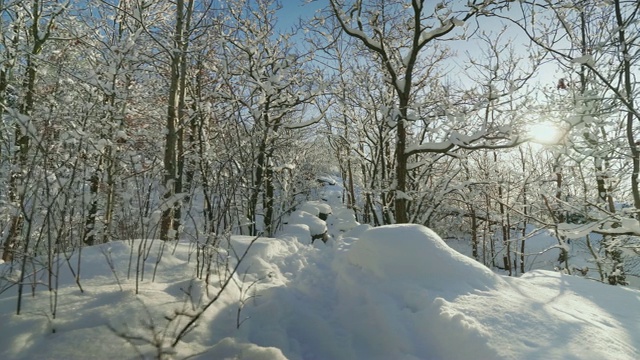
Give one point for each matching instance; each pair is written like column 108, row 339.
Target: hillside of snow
column 393, row 292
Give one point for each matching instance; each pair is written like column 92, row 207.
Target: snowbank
column 229, row 348
column 416, row 253
column 391, row 287
column 394, row 292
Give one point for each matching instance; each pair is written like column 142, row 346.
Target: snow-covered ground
column 394, row 292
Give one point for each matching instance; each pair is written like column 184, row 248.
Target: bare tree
column 591, row 44
column 36, row 21
column 276, row 94
column 403, row 37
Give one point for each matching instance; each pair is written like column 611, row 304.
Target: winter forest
column 235, row 148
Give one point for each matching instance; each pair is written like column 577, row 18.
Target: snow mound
column 269, row 260
column 315, row 224
column 395, row 283
column 356, row 232
column 230, row 349
column 416, row 253
column 316, row 208
column 394, row 292
column 299, row 232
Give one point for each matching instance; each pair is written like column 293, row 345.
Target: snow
column 584, row 60
column 316, row 208
column 391, row 292
column 369, row 41
column 576, row 231
column 403, row 195
column 316, row 226
column 457, row 22
column 297, row 232
column 229, row 348
column 429, row 146
column 343, row 220
column 428, row 35
column 631, row 225
column 411, row 253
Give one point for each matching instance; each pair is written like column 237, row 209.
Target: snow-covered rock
column 317, row 208
column 317, row 227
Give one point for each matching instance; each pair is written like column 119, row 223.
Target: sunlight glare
column 545, row 133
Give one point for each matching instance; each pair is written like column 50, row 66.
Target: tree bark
column 175, row 111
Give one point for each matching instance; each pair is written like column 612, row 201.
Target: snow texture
column 392, row 292
column 316, row 208
column 584, row 60
column 315, row 224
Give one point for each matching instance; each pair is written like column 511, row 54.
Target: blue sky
column 292, row 10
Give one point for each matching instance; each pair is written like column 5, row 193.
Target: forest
column 207, row 123
column 187, row 119
column 179, row 120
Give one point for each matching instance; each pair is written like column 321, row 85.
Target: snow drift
column 393, row 292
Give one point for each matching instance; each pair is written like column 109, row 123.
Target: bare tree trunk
column 474, row 234
column 175, row 112
column 181, row 120
column 90, row 223
column 170, row 154
column 628, row 91
column 258, row 176
column 559, row 214
column 351, row 203
column 401, row 202
column 525, row 207
column 22, row 138
column 269, row 192
column 10, row 59
column 504, row 222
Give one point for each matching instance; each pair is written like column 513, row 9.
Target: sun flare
column 545, row 133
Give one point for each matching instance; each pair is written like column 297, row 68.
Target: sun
column 545, row 133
